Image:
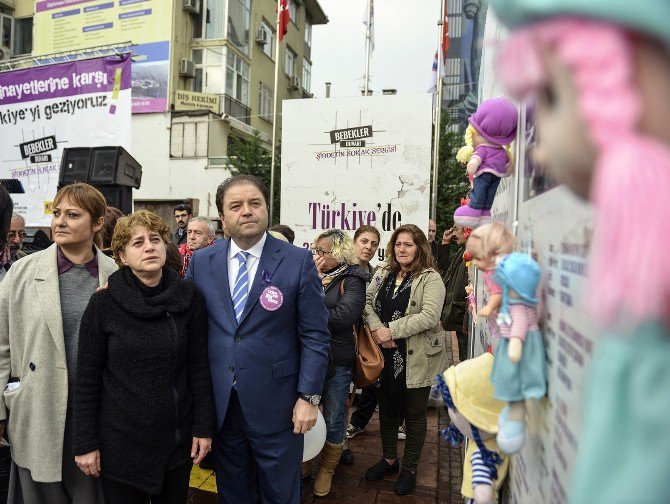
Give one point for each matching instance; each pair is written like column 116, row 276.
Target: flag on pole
column 445, row 32
column 284, row 18
column 370, row 14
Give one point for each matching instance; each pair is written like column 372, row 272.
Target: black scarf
column 391, row 304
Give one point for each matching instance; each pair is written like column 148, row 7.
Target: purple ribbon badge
column 272, row 298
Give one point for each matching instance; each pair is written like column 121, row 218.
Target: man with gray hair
column 199, row 234
column 17, row 231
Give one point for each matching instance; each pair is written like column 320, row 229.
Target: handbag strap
column 353, row 326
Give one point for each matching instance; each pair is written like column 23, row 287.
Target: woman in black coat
column 143, row 399
column 344, row 288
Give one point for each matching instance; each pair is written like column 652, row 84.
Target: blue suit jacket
column 273, row 355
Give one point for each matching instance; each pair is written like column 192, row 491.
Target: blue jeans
column 483, row 191
column 335, row 392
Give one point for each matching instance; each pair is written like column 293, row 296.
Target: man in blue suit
column 268, row 348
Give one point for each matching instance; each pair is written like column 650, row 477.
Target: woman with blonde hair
column 42, row 300
column 143, row 410
column 403, row 306
column 344, row 288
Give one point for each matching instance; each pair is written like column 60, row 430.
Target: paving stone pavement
column 438, row 476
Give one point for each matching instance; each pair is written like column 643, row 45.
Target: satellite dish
column 5, row 53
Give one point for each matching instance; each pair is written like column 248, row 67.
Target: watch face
column 315, row 400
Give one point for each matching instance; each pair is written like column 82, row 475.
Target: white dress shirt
column 252, row 262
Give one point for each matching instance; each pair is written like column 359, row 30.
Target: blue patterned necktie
column 241, row 289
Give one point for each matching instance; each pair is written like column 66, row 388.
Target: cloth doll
column 492, row 127
column 599, row 73
column 520, row 365
column 468, row 396
column 485, row 245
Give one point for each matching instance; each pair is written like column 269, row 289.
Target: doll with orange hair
column 600, row 71
column 486, row 244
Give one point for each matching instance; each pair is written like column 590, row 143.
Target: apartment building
column 203, row 72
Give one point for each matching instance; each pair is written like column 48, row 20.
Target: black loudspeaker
column 35, row 239
column 117, row 196
column 100, row 165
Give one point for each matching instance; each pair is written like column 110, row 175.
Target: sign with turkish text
column 189, row 100
column 347, row 162
column 69, row 25
column 44, row 109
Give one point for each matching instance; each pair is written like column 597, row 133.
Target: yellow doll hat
column 472, row 392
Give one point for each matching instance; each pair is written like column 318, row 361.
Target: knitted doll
column 599, row 72
column 468, row 396
column 485, row 245
column 520, row 365
column 492, row 127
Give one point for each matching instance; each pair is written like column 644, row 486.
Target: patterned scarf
column 331, row 275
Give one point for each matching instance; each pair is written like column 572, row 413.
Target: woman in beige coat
column 403, row 307
column 42, row 299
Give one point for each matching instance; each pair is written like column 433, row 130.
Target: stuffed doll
column 492, row 127
column 520, row 365
column 598, row 71
column 468, row 396
column 485, row 245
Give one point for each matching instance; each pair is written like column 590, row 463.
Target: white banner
column 45, row 109
column 353, row 161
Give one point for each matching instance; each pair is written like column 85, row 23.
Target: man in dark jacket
column 455, row 280
column 182, row 214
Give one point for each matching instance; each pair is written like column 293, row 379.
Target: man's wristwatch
column 313, row 399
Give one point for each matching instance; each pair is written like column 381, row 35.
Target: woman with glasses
column 344, row 288
column 42, row 300
column 403, row 307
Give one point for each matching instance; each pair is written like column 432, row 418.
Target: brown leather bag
column 369, row 358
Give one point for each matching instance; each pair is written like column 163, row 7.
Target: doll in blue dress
column 520, row 365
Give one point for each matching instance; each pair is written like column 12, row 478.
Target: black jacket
column 179, row 240
column 455, row 303
column 344, row 311
column 143, row 388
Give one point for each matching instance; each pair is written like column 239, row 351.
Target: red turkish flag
column 445, row 31
column 283, row 18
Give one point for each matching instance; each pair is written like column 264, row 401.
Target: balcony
column 236, row 109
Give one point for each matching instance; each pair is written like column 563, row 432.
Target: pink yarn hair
column 629, row 272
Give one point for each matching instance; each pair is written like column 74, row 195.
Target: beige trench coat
column 426, row 354
column 32, row 348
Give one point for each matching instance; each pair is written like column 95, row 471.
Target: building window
column 308, row 34
column 239, row 14
column 6, row 28
column 208, row 70
column 237, row 78
column 306, row 75
column 289, row 64
column 265, row 102
column 293, row 11
column 269, row 47
column 189, row 137
column 23, row 36
column 210, row 20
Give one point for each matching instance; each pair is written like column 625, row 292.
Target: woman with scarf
column 344, row 288
column 403, row 307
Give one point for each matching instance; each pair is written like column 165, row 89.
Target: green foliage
column 249, row 157
column 452, row 181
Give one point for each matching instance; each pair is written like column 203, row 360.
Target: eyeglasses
column 14, row 234
column 319, row 251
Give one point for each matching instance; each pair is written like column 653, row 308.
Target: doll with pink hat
column 492, row 128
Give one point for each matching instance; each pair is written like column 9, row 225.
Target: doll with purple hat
column 486, row 156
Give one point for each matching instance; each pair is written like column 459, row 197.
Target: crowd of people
column 128, row 354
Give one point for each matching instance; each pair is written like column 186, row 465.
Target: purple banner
column 57, row 4
column 63, row 80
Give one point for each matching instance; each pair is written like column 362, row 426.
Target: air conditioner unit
column 261, row 37
column 193, row 6
column 187, row 68
column 294, row 82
